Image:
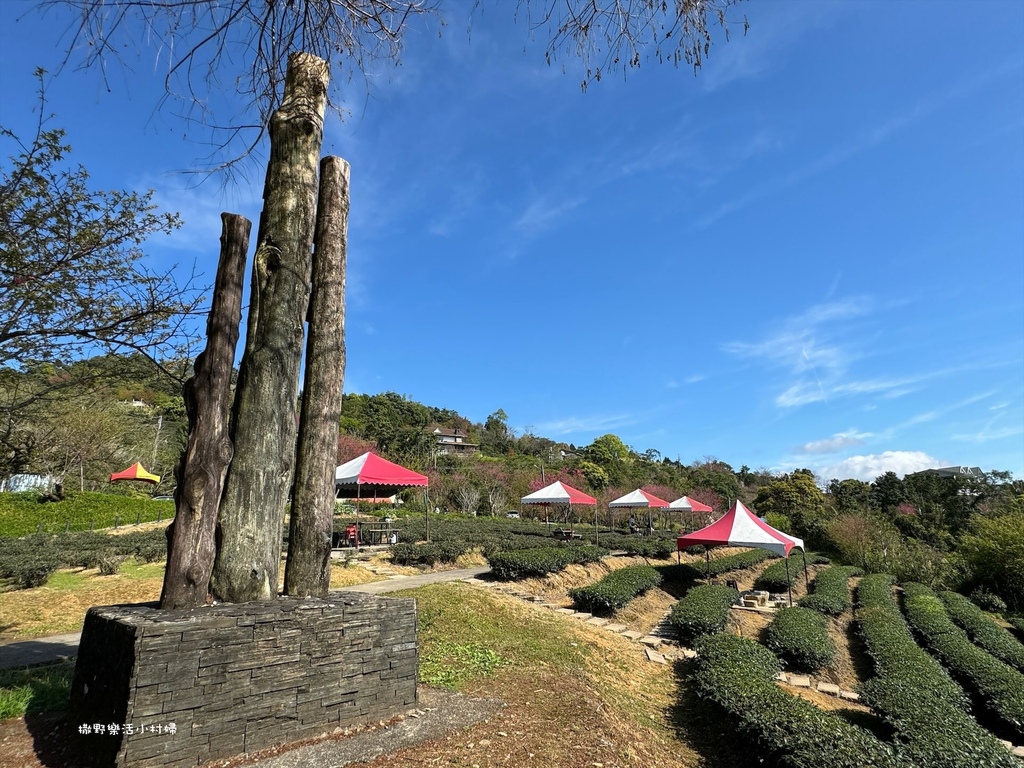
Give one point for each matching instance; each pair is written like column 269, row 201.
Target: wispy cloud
column 834, row 444
column 866, row 139
column 576, row 424
column 813, row 351
column 542, row 212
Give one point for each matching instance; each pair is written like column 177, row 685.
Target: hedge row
column 800, row 637
column 616, row 589
column 738, row 675
column 430, row 553
column 1000, row 686
column 637, row 546
column 982, row 630
column 703, row 611
column 773, row 578
column 25, row 513
column 29, row 561
column 831, row 594
column 928, row 711
column 525, row 563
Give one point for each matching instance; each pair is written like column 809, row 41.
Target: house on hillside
column 973, row 472
column 452, row 442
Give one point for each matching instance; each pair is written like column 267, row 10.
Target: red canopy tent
column 686, row 504
column 379, row 477
column 135, row 472
column 559, row 493
column 640, row 499
column 740, row 527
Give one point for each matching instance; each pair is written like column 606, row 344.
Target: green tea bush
column 616, row 589
column 982, row 630
column 739, row 561
column 25, row 513
column 738, row 675
column 773, row 578
column 637, row 546
column 892, row 648
column 703, row 611
column 913, row 693
column 29, row 561
column 1000, row 686
column 526, row 563
column 831, row 594
column 426, row 554
column 800, row 637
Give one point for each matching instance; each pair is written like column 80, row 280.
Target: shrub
column 982, row 630
column 109, row 565
column 616, row 589
column 737, row 674
column 23, row 513
column 914, row 694
column 773, row 578
column 831, row 594
column 892, row 647
column 1000, row 686
column 800, row 637
column 426, row 554
column 703, row 611
column 526, row 563
column 988, row 601
column 739, row 561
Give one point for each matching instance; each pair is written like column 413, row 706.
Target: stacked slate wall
column 176, row 688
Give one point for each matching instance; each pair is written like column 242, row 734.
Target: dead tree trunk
column 308, row 570
column 249, row 525
column 201, row 470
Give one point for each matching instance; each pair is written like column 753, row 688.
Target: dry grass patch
column 60, row 606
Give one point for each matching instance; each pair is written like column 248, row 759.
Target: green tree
column 887, row 493
column 73, row 277
column 797, row 497
column 496, row 438
column 849, row 496
column 993, row 551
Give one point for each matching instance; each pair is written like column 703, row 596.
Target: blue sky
column 809, row 255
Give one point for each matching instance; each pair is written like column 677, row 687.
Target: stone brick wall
column 175, row 688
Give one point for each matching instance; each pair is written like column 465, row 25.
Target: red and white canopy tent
column 135, row 472
column 740, row 527
column 640, row 499
column 686, row 504
column 379, row 477
column 557, row 494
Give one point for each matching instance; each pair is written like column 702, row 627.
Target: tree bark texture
column 308, row 569
column 201, row 470
column 264, row 417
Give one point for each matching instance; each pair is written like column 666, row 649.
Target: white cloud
column 573, row 424
column 834, row 444
column 868, row 467
column 542, row 213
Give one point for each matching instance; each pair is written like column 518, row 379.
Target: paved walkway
column 42, row 649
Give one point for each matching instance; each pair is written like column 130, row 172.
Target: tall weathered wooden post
column 264, row 418
column 308, row 570
column 204, row 464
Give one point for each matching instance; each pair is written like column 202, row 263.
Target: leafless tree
column 242, row 46
column 469, row 499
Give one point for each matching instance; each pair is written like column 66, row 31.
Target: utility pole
column 156, row 440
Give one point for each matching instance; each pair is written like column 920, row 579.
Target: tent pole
column 707, row 563
column 789, row 583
